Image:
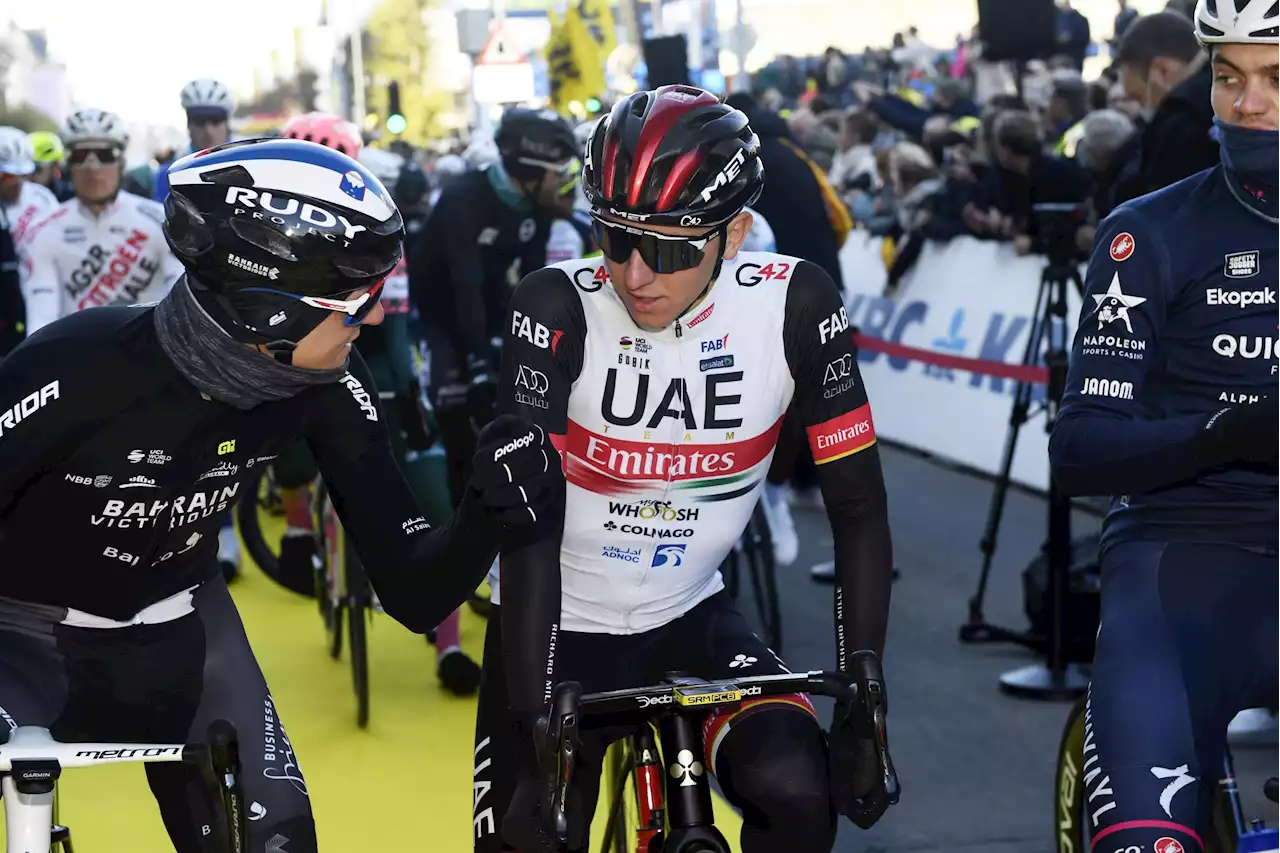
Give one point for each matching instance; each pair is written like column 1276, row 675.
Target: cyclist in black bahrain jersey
column 460, row 267
column 663, row 371
column 126, row 434
column 1170, row 407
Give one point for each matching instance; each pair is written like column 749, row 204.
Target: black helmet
column 532, row 141
column 673, row 156
column 261, row 222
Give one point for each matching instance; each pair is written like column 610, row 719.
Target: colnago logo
column 656, row 532
column 185, row 509
column 247, row 265
column 1108, row 388
column 361, row 396
column 1240, row 298
column 265, row 203
column 1097, row 784
column 843, row 435
column 653, row 509
column 28, row 406
column 513, row 446
column 727, row 174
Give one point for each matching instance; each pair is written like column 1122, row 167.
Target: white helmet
column 448, row 166
column 385, row 165
column 481, row 153
column 1237, row 22
column 91, row 125
column 207, row 94
column 16, row 156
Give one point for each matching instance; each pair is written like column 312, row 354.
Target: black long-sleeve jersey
column 461, row 260
column 666, row 439
column 116, row 474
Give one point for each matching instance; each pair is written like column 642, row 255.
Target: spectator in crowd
column 1068, row 105
column 1125, row 16
column 815, row 128
column 1106, row 133
column 855, row 162
column 1019, row 151
column 792, row 201
column 1163, row 68
column 1073, row 34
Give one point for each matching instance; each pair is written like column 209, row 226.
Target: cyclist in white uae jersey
column 103, row 247
column 662, row 372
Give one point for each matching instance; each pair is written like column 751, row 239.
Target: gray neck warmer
column 223, row 368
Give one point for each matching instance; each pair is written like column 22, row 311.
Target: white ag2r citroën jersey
column 72, row 260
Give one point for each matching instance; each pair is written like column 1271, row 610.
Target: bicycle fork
column 688, row 800
column 647, row 777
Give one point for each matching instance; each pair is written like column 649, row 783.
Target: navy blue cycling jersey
column 1179, row 322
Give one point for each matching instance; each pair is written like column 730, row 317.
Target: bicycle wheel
column 359, row 610
column 329, row 592
column 258, row 497
column 1071, row 830
column 764, row 581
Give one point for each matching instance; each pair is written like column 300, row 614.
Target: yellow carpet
column 403, row 784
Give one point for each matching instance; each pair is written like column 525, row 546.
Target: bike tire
column 331, row 602
column 251, row 527
column 359, row 610
column 617, row 773
column 764, row 579
column 1070, row 824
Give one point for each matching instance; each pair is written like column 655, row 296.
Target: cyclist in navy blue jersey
column 1171, row 408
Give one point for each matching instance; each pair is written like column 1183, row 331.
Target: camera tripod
column 1057, row 679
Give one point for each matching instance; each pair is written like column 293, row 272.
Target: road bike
column 31, row 762
column 652, row 811
column 1229, row 832
column 753, row 554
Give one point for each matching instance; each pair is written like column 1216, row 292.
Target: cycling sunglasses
column 357, row 310
column 92, row 156
column 661, row 253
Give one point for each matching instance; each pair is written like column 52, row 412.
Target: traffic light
column 395, row 117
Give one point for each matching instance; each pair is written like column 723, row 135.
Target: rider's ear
column 736, row 234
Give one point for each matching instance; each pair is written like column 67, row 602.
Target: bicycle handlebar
column 571, row 712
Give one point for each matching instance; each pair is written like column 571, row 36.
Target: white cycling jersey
column 73, row 260
column 34, row 201
column 666, row 436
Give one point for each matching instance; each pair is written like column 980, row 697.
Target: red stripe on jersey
column 843, row 435
column 607, row 465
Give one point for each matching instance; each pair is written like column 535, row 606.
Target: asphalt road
column 976, row 766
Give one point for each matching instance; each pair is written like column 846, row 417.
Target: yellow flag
column 575, row 60
column 598, row 18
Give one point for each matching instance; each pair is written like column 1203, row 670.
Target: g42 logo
column 595, row 279
column 749, row 275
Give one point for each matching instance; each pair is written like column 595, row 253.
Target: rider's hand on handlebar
column 516, row 470
column 528, row 824
column 863, row 781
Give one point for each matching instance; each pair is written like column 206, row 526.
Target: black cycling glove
column 516, row 470
column 527, row 824
column 863, row 782
column 1248, row 433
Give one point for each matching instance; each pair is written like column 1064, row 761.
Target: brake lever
column 562, row 748
column 873, row 702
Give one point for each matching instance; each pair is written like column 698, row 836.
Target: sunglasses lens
column 100, row 156
column 661, row 256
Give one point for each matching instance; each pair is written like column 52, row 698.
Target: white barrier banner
column 967, row 298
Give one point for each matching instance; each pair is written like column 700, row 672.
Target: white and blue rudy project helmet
column 262, row 222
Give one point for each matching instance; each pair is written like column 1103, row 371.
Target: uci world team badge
column 1241, row 265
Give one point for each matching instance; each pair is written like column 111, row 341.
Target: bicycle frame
column 31, row 762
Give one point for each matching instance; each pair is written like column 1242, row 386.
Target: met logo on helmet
column 727, row 174
column 318, row 216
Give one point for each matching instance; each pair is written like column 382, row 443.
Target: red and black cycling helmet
column 673, row 156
